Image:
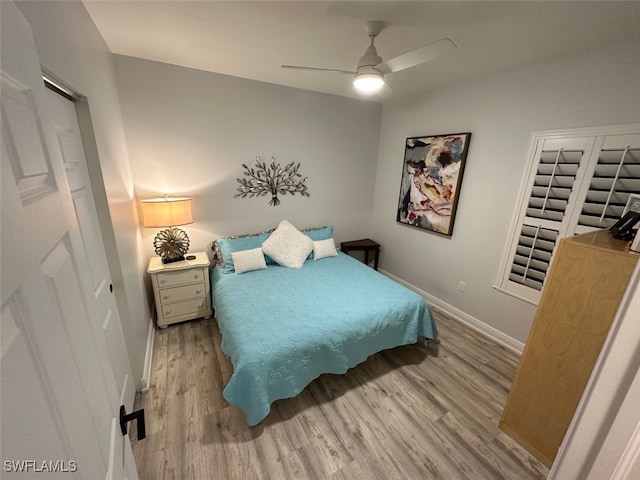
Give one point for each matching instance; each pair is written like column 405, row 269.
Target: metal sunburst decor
column 171, row 244
column 274, row 179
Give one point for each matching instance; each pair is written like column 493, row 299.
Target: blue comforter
column 283, row 327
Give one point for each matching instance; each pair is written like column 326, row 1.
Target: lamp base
column 171, row 244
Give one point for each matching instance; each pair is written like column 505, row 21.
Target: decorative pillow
column 288, row 246
column 248, row 260
column 217, row 254
column 324, row 248
column 228, row 245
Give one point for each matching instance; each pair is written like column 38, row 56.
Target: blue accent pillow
column 319, row 233
column 230, row 245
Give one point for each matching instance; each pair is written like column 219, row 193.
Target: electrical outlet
column 461, row 286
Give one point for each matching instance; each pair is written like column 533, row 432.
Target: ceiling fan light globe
column 368, row 82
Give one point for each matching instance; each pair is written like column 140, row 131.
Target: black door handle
column 138, row 415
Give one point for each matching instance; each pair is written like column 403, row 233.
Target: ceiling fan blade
column 298, row 67
column 416, row 57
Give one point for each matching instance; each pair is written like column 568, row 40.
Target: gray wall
column 189, row 132
column 71, row 48
column 597, row 88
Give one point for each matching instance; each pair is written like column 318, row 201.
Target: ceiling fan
column 369, row 74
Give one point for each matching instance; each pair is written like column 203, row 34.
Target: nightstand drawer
column 175, row 294
column 183, row 308
column 168, row 279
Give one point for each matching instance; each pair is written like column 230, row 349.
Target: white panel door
column 59, row 397
column 67, row 149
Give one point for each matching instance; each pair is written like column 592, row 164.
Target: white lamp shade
column 368, row 82
column 166, row 212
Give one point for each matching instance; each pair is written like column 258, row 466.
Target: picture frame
column 633, row 204
column 432, row 172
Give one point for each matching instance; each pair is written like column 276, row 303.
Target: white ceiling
column 252, row 39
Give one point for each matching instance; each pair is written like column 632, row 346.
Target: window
column 575, row 182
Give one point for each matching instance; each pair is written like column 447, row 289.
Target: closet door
column 60, row 401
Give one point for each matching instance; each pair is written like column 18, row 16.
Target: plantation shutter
column 533, row 256
column 576, row 182
column 552, row 183
column 616, row 175
column 554, row 172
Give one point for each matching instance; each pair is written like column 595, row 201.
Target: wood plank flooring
column 413, row 412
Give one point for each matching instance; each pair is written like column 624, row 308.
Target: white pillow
column 287, row 246
column 324, row 248
column 248, row 260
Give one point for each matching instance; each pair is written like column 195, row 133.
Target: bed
column 283, row 327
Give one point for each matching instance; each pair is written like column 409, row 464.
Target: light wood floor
column 404, row 413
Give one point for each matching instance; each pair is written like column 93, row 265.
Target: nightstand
column 365, row 245
column 181, row 289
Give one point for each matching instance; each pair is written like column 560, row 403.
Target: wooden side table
column 366, row 245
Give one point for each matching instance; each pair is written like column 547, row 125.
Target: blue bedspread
column 283, row 327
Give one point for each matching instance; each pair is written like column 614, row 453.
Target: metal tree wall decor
column 274, row 179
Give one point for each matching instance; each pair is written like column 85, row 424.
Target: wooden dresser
column 586, row 282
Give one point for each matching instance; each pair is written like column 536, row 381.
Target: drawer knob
column 201, row 306
column 163, row 280
column 198, row 291
column 197, row 275
column 165, row 297
column 168, row 311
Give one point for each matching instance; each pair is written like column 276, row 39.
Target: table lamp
column 172, row 243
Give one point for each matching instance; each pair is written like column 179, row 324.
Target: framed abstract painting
column 431, row 178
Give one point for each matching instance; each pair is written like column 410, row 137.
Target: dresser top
column 156, row 265
column 603, row 239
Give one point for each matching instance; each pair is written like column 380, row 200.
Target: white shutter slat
column 569, row 155
column 534, row 277
column 623, row 185
column 610, row 170
column 612, row 155
column 557, row 192
column 595, row 208
column 600, row 196
column 558, row 181
column 532, row 268
column 542, row 254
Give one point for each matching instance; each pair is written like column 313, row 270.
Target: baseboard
column 488, row 331
column 148, row 357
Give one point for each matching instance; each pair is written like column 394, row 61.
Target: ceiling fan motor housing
column 370, row 58
column 368, row 79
